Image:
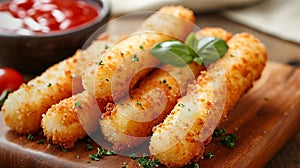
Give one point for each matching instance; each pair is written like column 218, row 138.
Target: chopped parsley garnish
column 106, row 47
column 49, row 84
column 101, row 152
column 135, row 58
column 30, row 137
column 89, row 144
column 164, row 81
column 89, row 147
column 196, row 165
column 231, row 55
column 64, row 150
column 41, row 141
column 142, row 47
column 146, row 162
column 180, row 104
column 210, row 155
column 78, row 104
column 140, row 104
column 219, row 133
column 100, row 62
column 225, row 139
column 228, row 140
column 4, row 96
column 131, row 97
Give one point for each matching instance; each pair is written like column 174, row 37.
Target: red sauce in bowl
column 43, row 16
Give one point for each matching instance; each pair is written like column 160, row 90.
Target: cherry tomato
column 10, row 79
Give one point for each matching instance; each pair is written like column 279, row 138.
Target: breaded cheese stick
column 130, row 122
column 23, row 109
column 129, row 60
column 71, row 119
column 186, row 130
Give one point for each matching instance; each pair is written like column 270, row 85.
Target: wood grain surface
column 263, row 120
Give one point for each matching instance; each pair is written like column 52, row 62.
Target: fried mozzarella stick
column 23, row 109
column 70, row 119
column 130, row 122
column 129, row 59
column 188, row 128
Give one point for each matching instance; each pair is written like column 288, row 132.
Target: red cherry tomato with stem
column 10, row 79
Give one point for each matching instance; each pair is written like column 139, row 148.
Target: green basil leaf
column 192, row 41
column 173, row 52
column 210, row 49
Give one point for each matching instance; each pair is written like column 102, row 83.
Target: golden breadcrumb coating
column 188, row 128
column 124, row 63
column 62, row 125
column 23, row 109
column 129, row 122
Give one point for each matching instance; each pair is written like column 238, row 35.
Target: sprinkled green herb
column 4, row 96
column 146, row 162
column 140, row 104
column 135, row 58
column 210, row 155
column 106, row 47
column 109, row 153
column 219, row 133
column 164, row 81
column 49, row 84
column 41, row 141
column 64, row 150
column 196, row 165
column 141, row 47
column 180, row 104
column 100, row 62
column 131, row 97
column 78, row 104
column 225, row 139
column 228, row 140
column 89, row 147
column 132, row 156
column 232, row 55
column 170, row 87
column 30, row 137
column 101, row 152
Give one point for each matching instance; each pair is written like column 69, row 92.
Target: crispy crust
column 185, row 132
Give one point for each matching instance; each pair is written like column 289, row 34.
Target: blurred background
column 276, row 19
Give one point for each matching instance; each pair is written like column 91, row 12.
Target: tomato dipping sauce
column 26, row 17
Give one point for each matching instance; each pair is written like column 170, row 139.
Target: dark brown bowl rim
column 105, row 9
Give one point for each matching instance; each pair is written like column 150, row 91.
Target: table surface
column 278, row 50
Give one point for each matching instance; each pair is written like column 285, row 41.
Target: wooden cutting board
column 263, row 120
